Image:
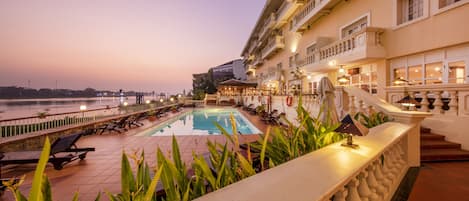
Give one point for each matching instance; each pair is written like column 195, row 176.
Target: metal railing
column 25, row 125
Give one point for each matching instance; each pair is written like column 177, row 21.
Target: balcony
column 312, row 11
column 258, row 61
column 269, row 23
column 286, row 10
column 360, row 46
column 273, row 45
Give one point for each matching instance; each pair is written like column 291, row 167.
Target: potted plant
column 174, row 109
column 151, row 115
column 42, row 115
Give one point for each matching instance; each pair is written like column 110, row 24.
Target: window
column 279, row 66
column 456, row 72
column 356, row 26
column 444, row 3
column 409, row 10
column 434, row 73
column 415, row 75
column 399, row 72
column 290, row 61
column 364, row 77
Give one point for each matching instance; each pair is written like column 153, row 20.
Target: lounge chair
column 63, row 150
column 135, row 120
column 117, row 126
column 269, row 116
column 249, row 107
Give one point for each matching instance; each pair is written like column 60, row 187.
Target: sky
column 153, row 45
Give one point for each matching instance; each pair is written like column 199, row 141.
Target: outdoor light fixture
column 82, row 107
column 408, row 101
column 341, row 69
column 161, row 100
column 332, row 63
column 400, row 80
column 179, row 96
column 309, row 77
column 343, row 79
column 147, row 101
column 125, row 103
column 171, row 99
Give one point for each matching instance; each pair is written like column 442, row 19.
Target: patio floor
column 100, row 171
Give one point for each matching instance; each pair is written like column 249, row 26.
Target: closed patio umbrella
column 326, row 93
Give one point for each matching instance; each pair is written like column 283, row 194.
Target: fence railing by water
column 24, row 125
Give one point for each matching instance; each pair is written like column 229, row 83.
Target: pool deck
column 100, row 171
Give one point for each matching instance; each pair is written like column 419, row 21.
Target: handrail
column 333, row 171
column 57, row 114
column 378, row 103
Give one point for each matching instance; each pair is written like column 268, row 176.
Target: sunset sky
column 153, row 45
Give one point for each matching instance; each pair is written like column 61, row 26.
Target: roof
column 234, row 82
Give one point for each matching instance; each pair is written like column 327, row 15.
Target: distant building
column 230, row 70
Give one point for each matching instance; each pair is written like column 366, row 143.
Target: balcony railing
column 286, row 10
column 268, row 24
column 312, row 10
column 358, row 46
column 439, row 99
column 274, row 44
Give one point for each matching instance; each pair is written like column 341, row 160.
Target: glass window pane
column 457, row 72
column 415, row 75
column 399, row 73
column 434, row 73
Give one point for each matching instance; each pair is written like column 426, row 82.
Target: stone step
column 438, row 144
column 434, row 155
column 431, row 136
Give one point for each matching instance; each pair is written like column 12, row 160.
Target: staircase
column 435, row 148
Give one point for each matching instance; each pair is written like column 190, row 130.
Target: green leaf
column 264, row 146
column 35, row 194
column 46, row 189
column 127, row 178
column 75, row 196
column 151, row 189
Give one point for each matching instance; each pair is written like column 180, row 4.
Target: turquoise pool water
column 202, row 122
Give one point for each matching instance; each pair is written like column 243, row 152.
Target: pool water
column 202, row 122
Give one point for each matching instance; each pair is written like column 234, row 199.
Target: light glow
column 82, row 107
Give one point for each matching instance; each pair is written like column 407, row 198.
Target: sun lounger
column 63, row 150
column 249, row 107
column 135, row 120
column 117, row 126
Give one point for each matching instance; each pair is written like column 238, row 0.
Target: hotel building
column 388, row 48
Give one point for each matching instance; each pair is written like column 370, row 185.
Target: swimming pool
column 202, row 122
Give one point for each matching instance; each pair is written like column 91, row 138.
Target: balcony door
column 456, row 71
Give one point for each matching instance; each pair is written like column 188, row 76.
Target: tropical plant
column 260, row 109
column 139, row 187
column 283, row 144
column 372, row 120
column 42, row 115
column 40, row 189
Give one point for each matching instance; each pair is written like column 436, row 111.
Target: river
column 15, row 108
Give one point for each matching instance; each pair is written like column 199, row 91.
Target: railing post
column 453, row 103
column 438, row 103
column 424, row 103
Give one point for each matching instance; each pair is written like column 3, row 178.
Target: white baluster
column 352, row 106
column 424, row 103
column 363, row 187
column 340, row 195
column 352, row 189
column 377, row 191
column 383, row 181
column 453, row 103
column 438, row 103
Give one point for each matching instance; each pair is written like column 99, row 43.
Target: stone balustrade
column 439, row 99
column 373, row 171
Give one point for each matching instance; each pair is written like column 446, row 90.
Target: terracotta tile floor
column 100, row 171
column 442, row 181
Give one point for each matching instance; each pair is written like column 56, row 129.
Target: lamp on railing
column 408, row 101
column 343, row 79
column 147, row 101
column 400, row 80
column 82, row 109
